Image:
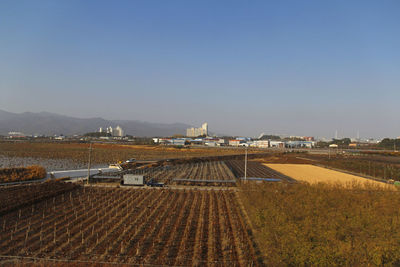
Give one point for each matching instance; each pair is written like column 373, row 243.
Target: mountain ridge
column 47, row 123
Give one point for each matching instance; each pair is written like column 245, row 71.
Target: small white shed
column 133, row 179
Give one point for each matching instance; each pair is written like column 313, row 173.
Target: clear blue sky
column 245, row 67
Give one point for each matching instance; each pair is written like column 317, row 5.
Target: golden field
column 323, row 225
column 314, row 174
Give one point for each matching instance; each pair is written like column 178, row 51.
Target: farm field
column 314, row 174
column 47, row 163
column 375, row 165
column 324, row 225
column 58, row 156
column 198, row 173
column 18, row 196
column 256, row 169
column 133, row 226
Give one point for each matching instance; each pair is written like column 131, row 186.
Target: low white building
column 60, row 137
column 132, row 179
column 210, row 143
column 261, row 143
column 278, row 144
column 178, row 142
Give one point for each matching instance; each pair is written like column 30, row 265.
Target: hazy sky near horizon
column 245, row 67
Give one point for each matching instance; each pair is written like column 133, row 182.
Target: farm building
column 134, row 179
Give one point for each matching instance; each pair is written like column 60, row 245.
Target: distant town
column 200, row 136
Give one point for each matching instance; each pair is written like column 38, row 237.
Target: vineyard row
column 139, row 226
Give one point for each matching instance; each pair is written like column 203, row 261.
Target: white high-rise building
column 194, row 132
column 118, row 131
column 110, row 130
column 204, row 128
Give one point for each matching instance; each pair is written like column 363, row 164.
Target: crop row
column 199, row 171
column 134, row 226
column 14, row 197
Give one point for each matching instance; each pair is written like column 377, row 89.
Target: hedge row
column 22, row 173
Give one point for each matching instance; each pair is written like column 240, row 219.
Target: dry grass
column 324, row 225
column 22, row 174
column 314, row 174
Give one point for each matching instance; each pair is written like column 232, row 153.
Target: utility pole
column 90, row 158
column 245, row 166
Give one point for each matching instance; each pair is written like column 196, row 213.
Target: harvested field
column 314, row 174
column 324, row 225
column 131, row 226
column 293, row 158
column 379, row 166
column 256, row 169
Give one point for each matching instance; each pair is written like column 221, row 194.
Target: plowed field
column 256, row 169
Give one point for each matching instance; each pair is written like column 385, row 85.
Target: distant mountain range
column 54, row 124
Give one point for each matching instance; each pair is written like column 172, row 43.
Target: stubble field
column 314, row 174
